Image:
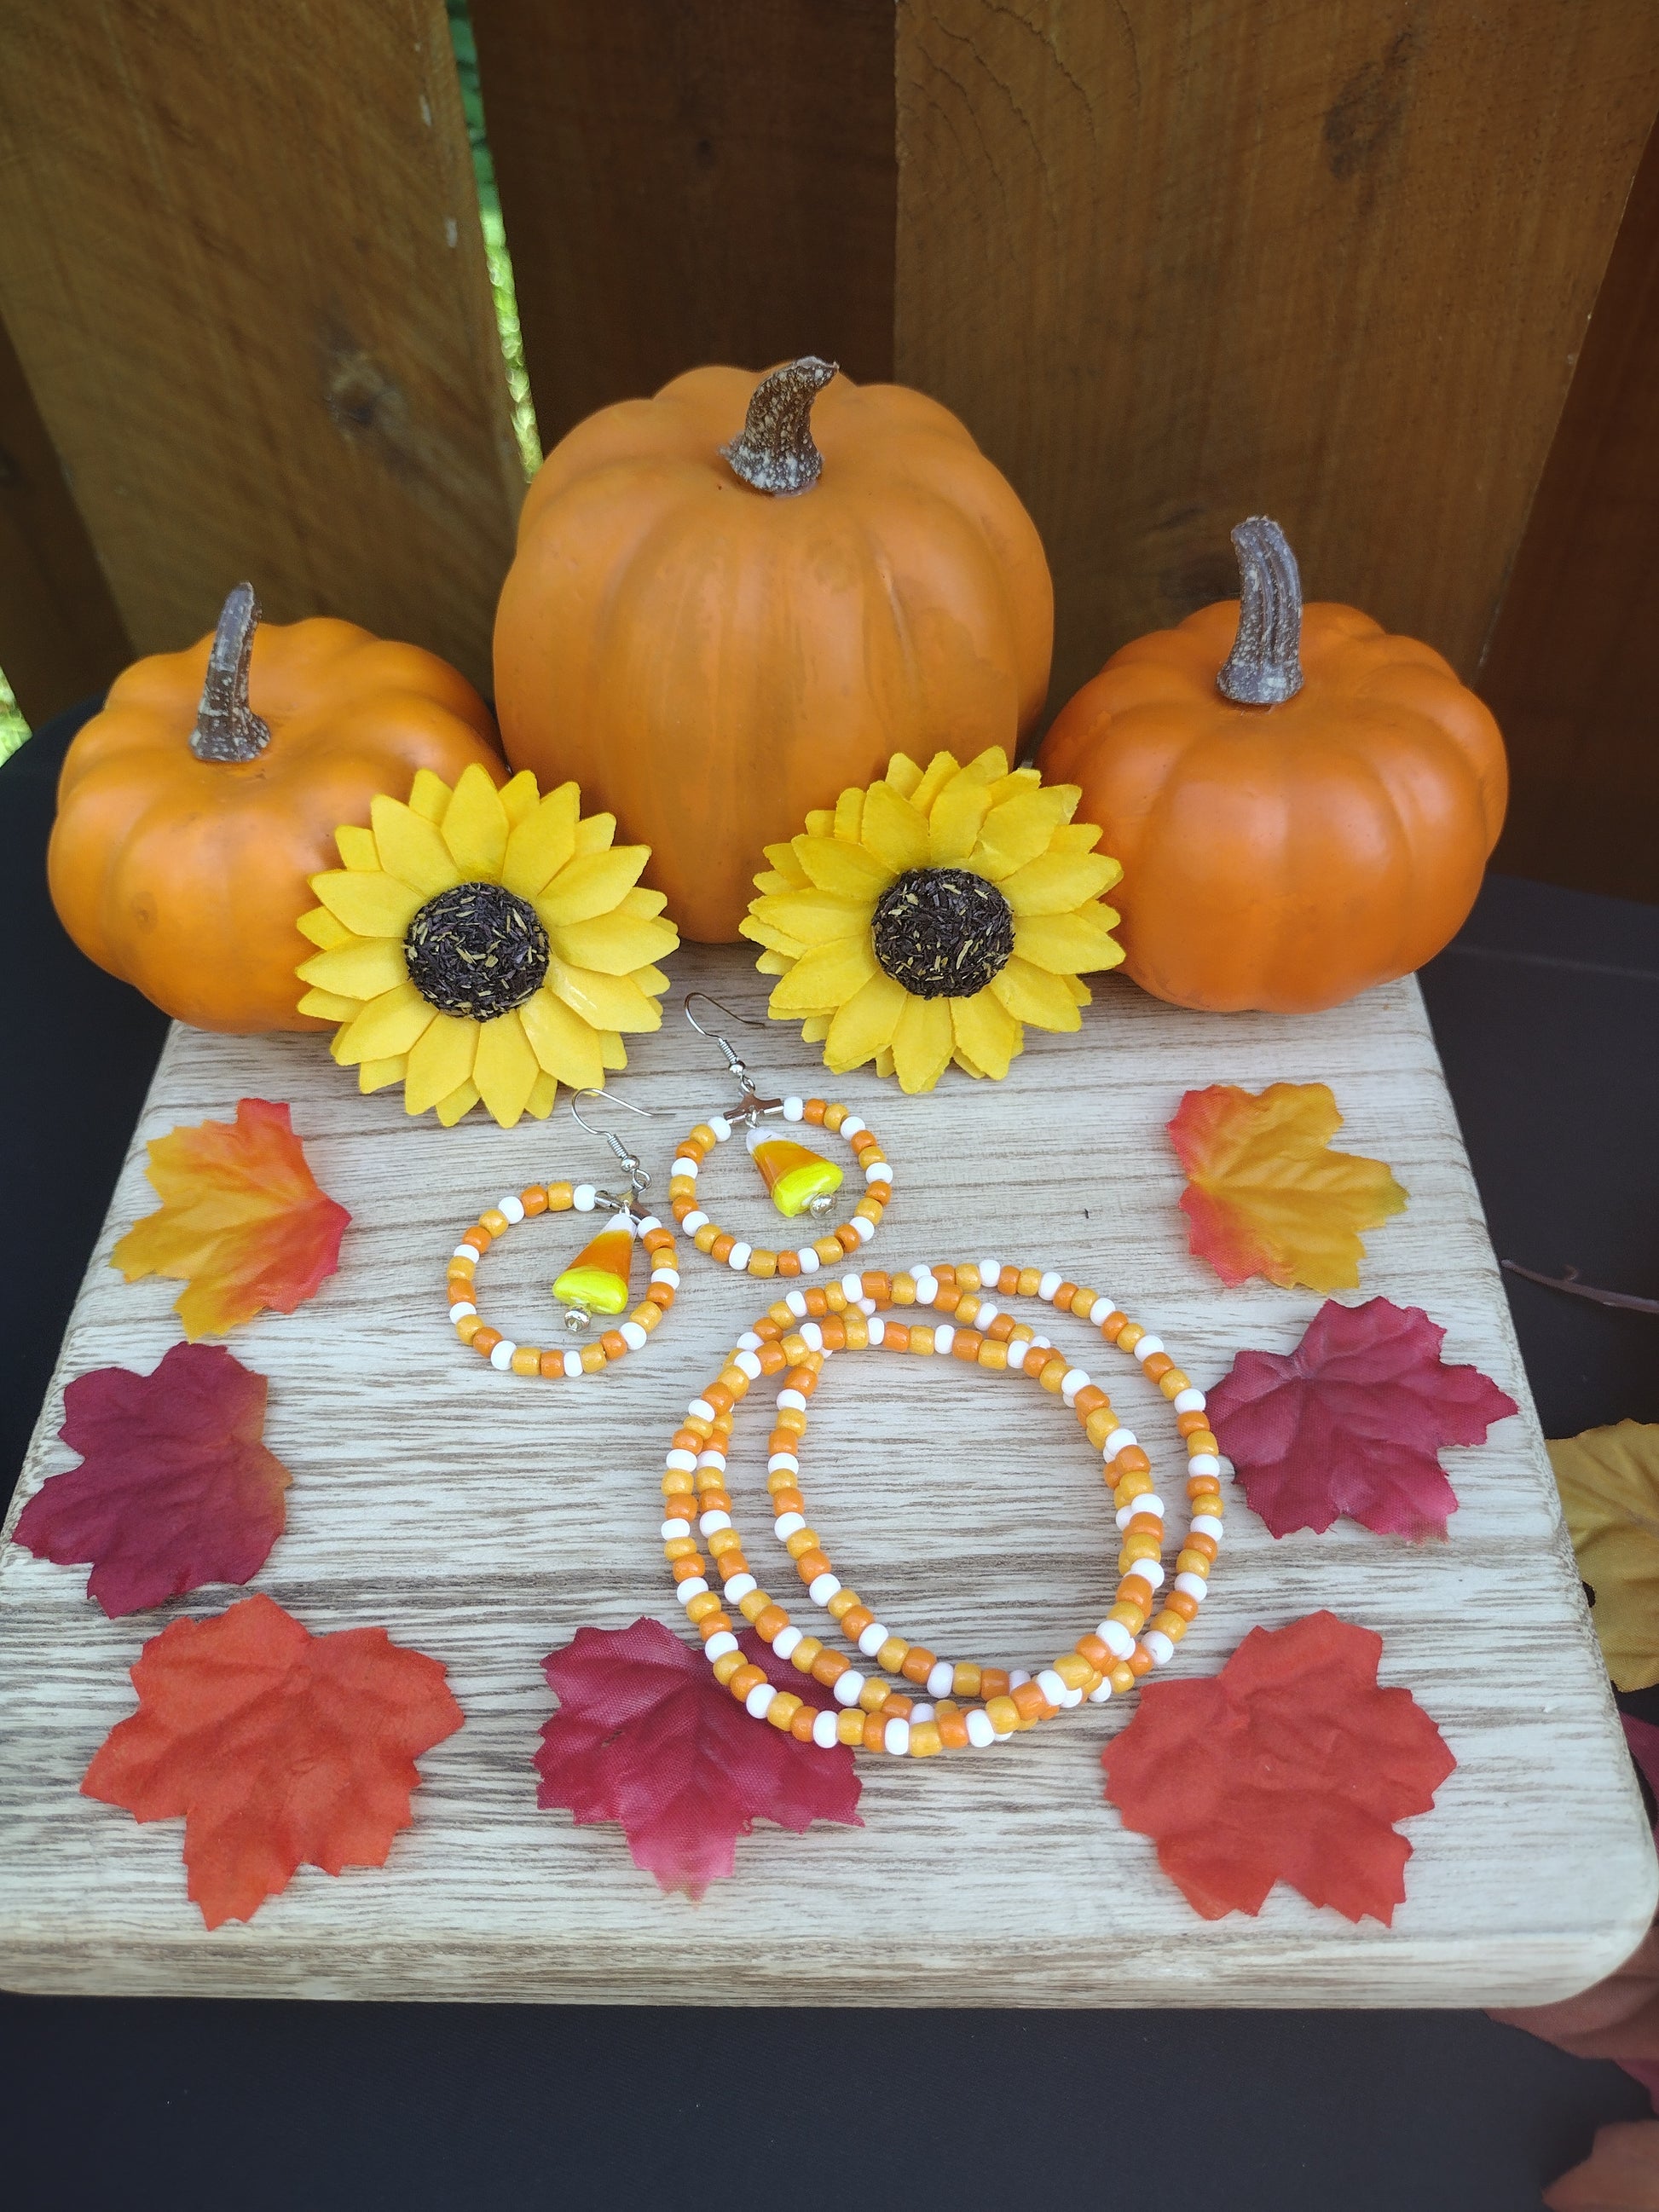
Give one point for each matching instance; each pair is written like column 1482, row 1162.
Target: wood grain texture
column 484, row 1518
column 1179, row 261
column 60, row 636
column 1570, row 672
column 240, row 262
column 709, row 180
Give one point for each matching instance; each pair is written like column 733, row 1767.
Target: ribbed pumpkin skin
column 1284, row 858
column 710, row 661
column 185, row 876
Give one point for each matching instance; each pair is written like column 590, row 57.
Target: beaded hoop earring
column 596, row 1282
column 799, row 1181
column 877, row 1714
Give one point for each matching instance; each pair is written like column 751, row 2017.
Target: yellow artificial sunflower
column 926, row 918
column 484, row 944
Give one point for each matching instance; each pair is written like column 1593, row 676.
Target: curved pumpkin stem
column 1263, row 669
column 775, row 453
column 226, row 727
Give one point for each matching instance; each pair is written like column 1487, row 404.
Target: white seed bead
column 721, row 1127
column 867, row 1307
column 1157, row 1647
column 786, row 1640
column 797, row 1304
column 718, row 1646
column 792, row 1401
column 1193, row 1585
column 786, row 1525
column 1073, row 1380
column 669, row 1275
column 1049, row 1285
column 811, row 1336
column 682, row 1462
column 738, row 1257
column 874, row 1638
column 941, row 1678
column 944, row 1337
column 793, row 1109
column 877, row 1331
column 988, row 1310
column 810, row 1262
column 863, row 1229
column 926, row 1286
column 749, row 1341
column 877, row 1171
column 1102, row 1311
column 700, row 1410
column 713, row 1519
column 1204, row 1463
column 646, row 1224
column 686, row 1163
column 1148, row 1570
column 1101, row 1691
column 632, row 1335
column 739, row 1586
column 1052, row 1686
column 503, row 1354
column 1120, row 1440
column 847, row 1686
column 980, row 1734
column 783, row 1463
column 572, row 1366
column 512, row 1206
column 896, row 1738
column 466, row 1252
column 461, row 1308
column 989, row 1270
column 694, row 1221
column 1148, row 1345
column 759, row 1700
column 924, row 1711
column 1187, row 1401
column 823, row 1588
column 852, row 1289
column 686, row 1591
column 1072, row 1698
column 1112, row 1633
column 584, row 1198
column 746, row 1364
column 1040, row 1343
column 1018, row 1676
column 1148, row 1502
column 1206, row 1524
column 672, row 1528
column 852, row 1126
column 825, row 1733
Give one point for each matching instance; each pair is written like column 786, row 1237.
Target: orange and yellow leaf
column 1608, row 1480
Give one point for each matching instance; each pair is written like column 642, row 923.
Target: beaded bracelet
column 500, row 1351
column 831, row 1250
column 876, row 1714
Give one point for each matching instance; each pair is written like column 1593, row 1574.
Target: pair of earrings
column 597, row 1285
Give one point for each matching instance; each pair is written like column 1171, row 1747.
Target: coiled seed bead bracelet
column 831, row 1250
column 877, row 1714
column 461, row 1286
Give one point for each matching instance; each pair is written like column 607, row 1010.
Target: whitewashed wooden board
column 484, row 1518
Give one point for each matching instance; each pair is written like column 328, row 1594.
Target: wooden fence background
column 1173, row 261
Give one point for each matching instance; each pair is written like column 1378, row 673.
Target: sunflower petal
column 595, row 834
column 814, row 1029
column 410, row 847
column 1019, row 830
column 922, row 1043
column 387, row 1025
column 642, row 901
column 612, row 1051
column 1032, row 995
column 820, row 822
column 362, row 970
column 814, row 917
column 376, row 1074
column 652, row 981
column 824, row 977
column 615, row 944
column 372, row 905
column 785, row 864
column 1065, row 944
column 330, row 1006
column 460, row 1101
column 849, row 814
column 542, row 1093
column 607, row 1002
column 475, row 826
column 849, row 871
column 768, row 934
column 591, row 883
column 321, row 927
column 429, row 796
column 986, row 1031
column 955, row 819
column 518, row 797
column 865, row 1023
column 440, row 1061
column 893, row 831
column 1057, row 882
column 937, row 772
column 542, row 843
column 776, row 964
column 564, row 1044
column 505, row 1068
column 902, row 774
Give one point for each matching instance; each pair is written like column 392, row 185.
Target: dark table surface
column 1547, row 1011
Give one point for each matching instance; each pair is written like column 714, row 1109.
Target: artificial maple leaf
column 1608, row 1480
column 1266, row 1196
column 242, row 1220
column 174, row 1488
column 1621, row 2173
column 1351, row 1422
column 1291, row 1764
column 279, row 1747
column 645, row 1735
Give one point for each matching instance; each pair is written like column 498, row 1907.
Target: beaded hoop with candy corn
column 877, row 1714
column 790, row 1171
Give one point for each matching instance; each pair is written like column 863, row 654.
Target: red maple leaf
column 1353, row 1421
column 279, row 1748
column 644, row 1734
column 174, row 1488
column 1291, row 1764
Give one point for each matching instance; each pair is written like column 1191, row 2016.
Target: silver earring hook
column 751, row 1106
column 638, row 1176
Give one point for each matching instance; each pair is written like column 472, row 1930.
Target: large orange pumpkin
column 193, row 809
column 714, row 628
column 1292, row 830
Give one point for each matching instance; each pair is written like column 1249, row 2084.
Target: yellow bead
column 495, row 1221
column 993, row 1354
column 724, row 1539
column 925, row 1740
column 727, row 1665
column 849, row 1725
column 1003, row 1715
column 1074, row 1669
column 783, row 1709
column 679, row 1547
column 875, row 1693
column 841, row 1604
column 1129, row 1616
column 893, row 1654
column 904, row 1290
column 1122, row 1679
column 527, row 1360
column 1173, row 1383
column 965, row 1683
column 699, row 1608
column 804, row 1540
column 806, row 1652
column 753, row 1605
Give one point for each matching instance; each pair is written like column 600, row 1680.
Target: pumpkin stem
column 226, row 727
column 1263, row 669
column 775, row 453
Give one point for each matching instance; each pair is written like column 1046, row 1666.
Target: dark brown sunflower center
column 477, row 950
column 943, row 932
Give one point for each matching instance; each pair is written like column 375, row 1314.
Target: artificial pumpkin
column 192, row 816
column 715, row 628
column 1303, row 804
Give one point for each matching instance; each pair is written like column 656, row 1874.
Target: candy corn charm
column 800, row 1182
column 597, row 1280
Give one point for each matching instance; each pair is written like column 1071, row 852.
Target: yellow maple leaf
column 1265, row 1193
column 1608, row 1480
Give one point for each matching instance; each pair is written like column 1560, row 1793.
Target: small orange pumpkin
column 714, row 626
column 1303, row 804
column 188, row 823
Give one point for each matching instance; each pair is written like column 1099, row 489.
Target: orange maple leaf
column 1265, row 1196
column 279, row 1747
column 242, row 1220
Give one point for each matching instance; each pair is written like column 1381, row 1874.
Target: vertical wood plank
column 706, row 181
column 1180, row 261
column 1569, row 673
column 60, row 636
column 240, row 261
